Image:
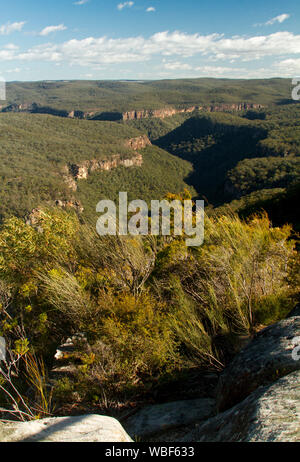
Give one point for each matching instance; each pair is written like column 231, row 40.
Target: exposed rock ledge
column 140, row 142
column 168, row 112
column 156, row 113
column 96, row 114
column 74, row 172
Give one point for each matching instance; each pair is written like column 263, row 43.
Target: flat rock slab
column 265, row 359
column 270, row 414
column 162, row 417
column 86, row 428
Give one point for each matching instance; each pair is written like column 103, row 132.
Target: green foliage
column 116, row 96
column 148, row 306
column 160, row 173
column 32, row 165
column 266, row 173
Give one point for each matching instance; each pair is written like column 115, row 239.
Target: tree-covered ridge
column 220, row 156
column 121, row 96
column 234, row 155
column 283, row 131
column 35, row 148
column 264, row 173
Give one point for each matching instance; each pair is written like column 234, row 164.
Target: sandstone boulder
column 162, row 417
column 86, row 428
column 269, row 414
column 265, row 359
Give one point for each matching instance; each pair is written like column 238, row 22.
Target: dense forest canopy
column 121, row 96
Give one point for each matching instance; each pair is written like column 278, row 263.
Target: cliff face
column 140, row 142
column 158, row 113
column 75, row 172
column 130, row 115
column 168, row 112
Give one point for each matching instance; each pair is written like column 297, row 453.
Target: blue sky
column 148, row 39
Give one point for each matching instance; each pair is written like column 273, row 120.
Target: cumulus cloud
column 151, row 9
column 81, row 2
column 121, row 6
column 50, row 29
column 288, row 67
column 174, row 48
column 9, row 28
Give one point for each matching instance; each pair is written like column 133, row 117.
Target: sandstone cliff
column 168, row 112
column 97, row 114
column 140, row 142
column 157, row 113
column 74, row 172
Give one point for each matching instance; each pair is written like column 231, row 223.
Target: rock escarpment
column 97, row 114
column 168, row 112
column 155, row 113
column 80, row 171
column 137, row 143
column 74, row 172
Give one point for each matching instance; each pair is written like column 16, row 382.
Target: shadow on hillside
column 285, row 101
column 108, row 116
column 213, row 148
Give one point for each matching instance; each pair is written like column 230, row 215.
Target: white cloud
column 203, row 70
column 288, row 67
column 11, row 46
column 173, row 47
column 281, row 18
column 50, row 29
column 121, row 6
column 9, row 28
column 278, row 19
column 151, row 9
column 81, row 2
column 215, row 47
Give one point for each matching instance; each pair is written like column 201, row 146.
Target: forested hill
column 121, row 96
column 245, row 159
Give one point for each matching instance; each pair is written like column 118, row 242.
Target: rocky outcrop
column 155, row 113
column 266, row 358
column 137, row 143
column 128, row 115
column 77, row 341
column 162, row 417
column 168, row 112
column 77, row 115
column 74, row 204
column 74, row 172
column 269, row 414
column 82, row 429
column 231, row 107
